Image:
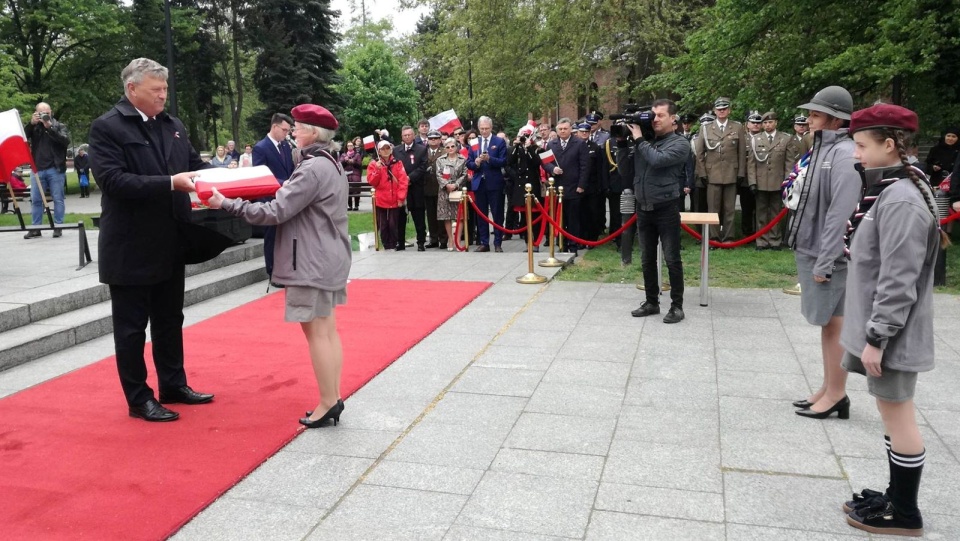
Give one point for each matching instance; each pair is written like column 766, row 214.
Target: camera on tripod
column 640, row 115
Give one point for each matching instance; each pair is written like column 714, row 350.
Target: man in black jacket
column 143, row 163
column 571, row 170
column 657, row 161
column 415, row 163
column 48, row 144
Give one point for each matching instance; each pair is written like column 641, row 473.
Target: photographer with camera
column 48, row 144
column 656, row 157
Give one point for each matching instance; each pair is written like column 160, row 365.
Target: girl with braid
column 892, row 242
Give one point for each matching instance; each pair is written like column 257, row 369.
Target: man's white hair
column 137, row 69
column 485, row 119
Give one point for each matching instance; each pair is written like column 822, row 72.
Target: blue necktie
column 287, row 155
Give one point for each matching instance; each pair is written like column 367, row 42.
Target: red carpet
column 73, row 465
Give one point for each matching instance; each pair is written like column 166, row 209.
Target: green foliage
column 380, row 93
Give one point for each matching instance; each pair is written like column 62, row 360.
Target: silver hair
column 324, row 135
column 137, row 69
column 486, row 119
column 564, row 120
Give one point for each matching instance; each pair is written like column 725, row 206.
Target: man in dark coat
column 571, row 170
column 415, row 163
column 275, row 152
column 143, row 162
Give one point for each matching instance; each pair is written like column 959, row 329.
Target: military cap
column 594, row 117
column 434, row 134
column 801, row 120
column 755, row 117
column 583, row 126
column 314, row 115
column 688, row 118
column 722, row 103
column 707, row 117
column 769, row 115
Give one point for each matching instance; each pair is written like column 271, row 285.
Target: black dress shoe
column 482, row 249
column 432, row 245
column 498, row 249
column 421, row 248
column 842, row 408
column 184, row 395
column 646, row 309
column 152, row 411
column 57, row 233
column 332, row 414
column 339, row 401
column 802, row 404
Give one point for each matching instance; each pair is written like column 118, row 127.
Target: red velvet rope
column 456, row 230
column 495, row 226
column 604, row 240
column 763, row 231
column 950, row 218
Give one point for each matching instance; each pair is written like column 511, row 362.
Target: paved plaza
column 547, row 412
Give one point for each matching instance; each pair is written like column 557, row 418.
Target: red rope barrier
column 763, row 231
column 605, row 240
column 950, row 218
column 495, row 225
column 456, row 230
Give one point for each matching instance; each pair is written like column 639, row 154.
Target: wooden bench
column 19, row 194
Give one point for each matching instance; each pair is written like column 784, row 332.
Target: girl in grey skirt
column 893, row 239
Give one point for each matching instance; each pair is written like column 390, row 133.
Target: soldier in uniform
column 592, row 213
column 746, row 191
column 699, row 198
column 722, row 162
column 769, row 161
column 800, row 127
column 597, row 134
column 431, row 191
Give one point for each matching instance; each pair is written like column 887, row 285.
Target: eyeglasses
column 450, row 146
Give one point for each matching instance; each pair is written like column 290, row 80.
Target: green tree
column 380, row 93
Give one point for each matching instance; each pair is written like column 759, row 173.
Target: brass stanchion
column 530, row 277
column 551, row 210
column 466, row 208
column 376, row 230
column 792, row 290
column 559, row 216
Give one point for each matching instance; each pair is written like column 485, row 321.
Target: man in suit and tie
column 423, row 131
column 571, row 169
column 415, row 163
column 769, row 161
column 275, row 152
column 722, row 160
column 487, row 164
column 143, row 162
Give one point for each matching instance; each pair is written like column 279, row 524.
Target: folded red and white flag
column 242, row 182
column 369, row 143
column 445, row 122
column 446, row 172
column 547, row 157
column 14, row 151
column 474, row 144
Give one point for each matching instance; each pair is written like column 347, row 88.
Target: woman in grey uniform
column 892, row 241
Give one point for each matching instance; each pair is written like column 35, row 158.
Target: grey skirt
column 891, row 386
column 308, row 303
column 820, row 302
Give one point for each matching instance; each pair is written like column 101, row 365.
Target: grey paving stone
column 561, row 434
column 609, row 351
column 391, row 473
column 374, row 512
column 515, row 357
column 689, row 368
column 787, row 501
column 748, row 340
column 608, row 526
column 543, row 340
column 662, row 502
column 576, row 400
column 558, row 321
column 939, row 485
column 655, row 347
column 761, row 385
column 612, row 318
column 767, row 416
column 478, row 410
column 946, row 424
column 366, row 411
column 549, row 464
column 462, row 446
column 672, row 394
column 865, row 440
column 741, row 532
column 232, row 519
column 499, row 381
column 469, row 533
column 805, row 453
column 584, row 372
column 589, row 332
column 301, row 479
column 343, row 442
column 531, row 504
column 759, row 361
column 680, row 427
column 664, row 465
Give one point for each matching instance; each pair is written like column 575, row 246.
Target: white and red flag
column 445, row 122
column 242, row 182
column 547, row 156
column 14, row 150
column 369, row 142
column 475, row 144
column 446, row 172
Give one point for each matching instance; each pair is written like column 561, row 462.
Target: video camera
column 640, row 115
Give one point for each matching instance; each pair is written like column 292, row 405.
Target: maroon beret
column 314, row 115
column 884, row 115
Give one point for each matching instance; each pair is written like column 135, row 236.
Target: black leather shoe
column 498, row 249
column 482, row 249
column 57, row 233
column 332, row 414
column 152, row 411
column 421, row 248
column 646, row 309
column 339, row 401
column 674, row 315
column 842, row 408
column 432, row 245
column 184, row 395
column 802, row 404
column 32, row 234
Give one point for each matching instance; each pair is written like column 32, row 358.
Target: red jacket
column 391, row 186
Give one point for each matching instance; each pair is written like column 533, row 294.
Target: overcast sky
column 405, row 23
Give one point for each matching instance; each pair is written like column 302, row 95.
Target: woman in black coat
column 524, row 159
column 943, row 155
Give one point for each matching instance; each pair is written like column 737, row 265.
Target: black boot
column 900, row 515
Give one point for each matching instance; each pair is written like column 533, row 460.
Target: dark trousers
column 438, row 234
column 591, row 215
column 661, row 225
column 162, row 305
column 388, row 223
column 699, row 199
column 613, row 207
column 269, row 238
column 490, row 202
column 419, row 216
column 748, row 211
column 571, row 218
column 627, row 239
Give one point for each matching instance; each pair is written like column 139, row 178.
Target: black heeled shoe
column 842, row 408
column 339, row 401
column 802, row 404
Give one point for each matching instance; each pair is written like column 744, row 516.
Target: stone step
column 49, row 335
column 44, row 302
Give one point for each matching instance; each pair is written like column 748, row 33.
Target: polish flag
column 474, row 144
column 445, row 122
column 369, row 143
column 446, row 172
column 242, row 182
column 14, row 151
column 547, row 157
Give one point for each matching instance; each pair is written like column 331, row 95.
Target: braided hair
column 902, row 139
